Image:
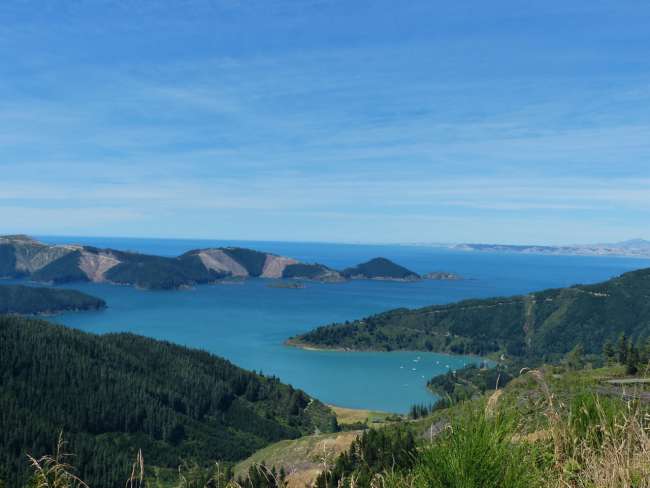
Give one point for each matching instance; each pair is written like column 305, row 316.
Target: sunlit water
column 247, row 323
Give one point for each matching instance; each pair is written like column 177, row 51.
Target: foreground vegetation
column 114, row 394
column 548, row 428
column 551, row 427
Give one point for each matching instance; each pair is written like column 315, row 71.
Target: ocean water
column 247, row 323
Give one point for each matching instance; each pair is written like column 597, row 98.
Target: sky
column 326, row 120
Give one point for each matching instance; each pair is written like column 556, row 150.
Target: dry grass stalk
column 621, row 460
column 552, row 413
column 53, row 471
column 491, row 405
column 136, row 480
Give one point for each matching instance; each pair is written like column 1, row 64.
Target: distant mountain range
column 24, row 257
column 631, row 248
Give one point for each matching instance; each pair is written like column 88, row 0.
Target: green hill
column 116, row 393
column 20, row 299
column 253, row 261
column 539, row 325
column 380, row 268
column 159, row 272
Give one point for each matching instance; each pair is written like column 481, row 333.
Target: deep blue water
column 247, row 323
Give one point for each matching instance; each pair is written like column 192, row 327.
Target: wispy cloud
column 449, row 121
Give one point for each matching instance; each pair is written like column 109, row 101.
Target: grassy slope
column 303, row 459
column 348, row 416
column 549, row 427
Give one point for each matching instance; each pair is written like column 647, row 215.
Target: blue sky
column 327, row 120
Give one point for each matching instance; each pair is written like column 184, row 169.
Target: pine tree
column 632, row 359
column 644, row 352
column 622, row 349
column 575, row 357
column 608, row 351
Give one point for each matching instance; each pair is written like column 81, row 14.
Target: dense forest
column 539, row 326
column 114, row 394
column 470, row 382
column 159, row 272
column 21, row 299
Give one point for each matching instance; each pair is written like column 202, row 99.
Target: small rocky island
column 380, row 269
column 292, row 285
column 441, row 276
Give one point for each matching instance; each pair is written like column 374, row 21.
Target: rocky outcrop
column 95, row 265
column 217, row 260
column 274, row 266
column 441, row 276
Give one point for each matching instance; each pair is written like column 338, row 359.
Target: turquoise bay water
column 247, row 323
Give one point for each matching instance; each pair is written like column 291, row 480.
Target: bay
column 248, row 322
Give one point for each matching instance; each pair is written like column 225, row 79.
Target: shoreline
column 309, row 347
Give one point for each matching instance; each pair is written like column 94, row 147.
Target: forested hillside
column 541, row 325
column 21, row 299
column 113, row 394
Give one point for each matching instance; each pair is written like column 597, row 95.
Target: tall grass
column 608, row 444
column 598, row 441
column 53, row 471
column 476, row 451
column 592, row 441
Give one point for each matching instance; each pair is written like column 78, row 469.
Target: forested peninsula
column 540, row 326
column 20, row 299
